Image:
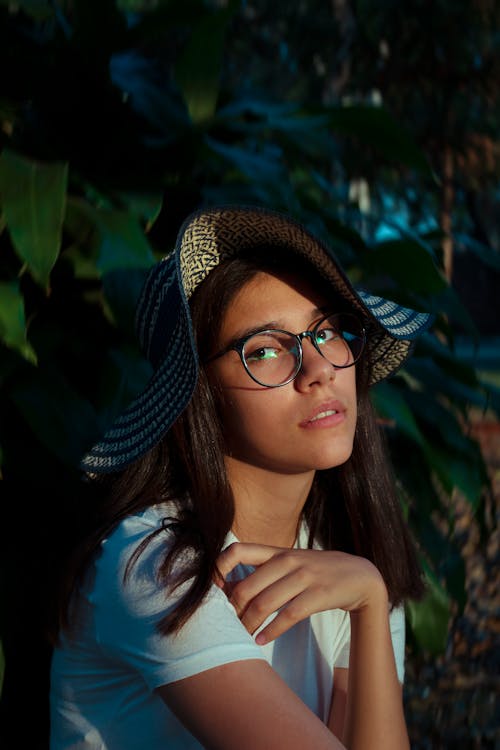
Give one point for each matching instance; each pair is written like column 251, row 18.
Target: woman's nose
column 315, row 367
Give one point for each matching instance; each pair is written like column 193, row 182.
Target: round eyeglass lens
column 272, row 357
column 340, row 339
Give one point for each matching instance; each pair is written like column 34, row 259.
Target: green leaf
column 429, row 618
column 488, row 255
column 442, row 419
column 452, row 364
column 34, row 196
column 449, row 303
column 134, row 6
column 123, row 242
column 13, row 322
column 375, row 127
column 197, row 71
column 450, row 453
column 61, row 420
column 144, row 206
column 40, row 10
column 389, row 402
column 408, row 264
column 460, row 470
column 426, row 371
column 113, row 239
column 259, row 166
column 247, row 110
column 121, row 289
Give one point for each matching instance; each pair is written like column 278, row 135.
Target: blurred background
column 375, row 124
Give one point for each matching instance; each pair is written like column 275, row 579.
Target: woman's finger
column 268, row 600
column 296, row 610
column 242, row 553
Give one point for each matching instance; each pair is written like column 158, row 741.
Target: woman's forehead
column 274, row 297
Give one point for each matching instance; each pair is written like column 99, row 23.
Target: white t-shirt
column 103, row 678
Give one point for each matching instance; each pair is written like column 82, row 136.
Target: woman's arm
column 246, row 705
column 374, row 709
column 299, row 583
column 338, row 705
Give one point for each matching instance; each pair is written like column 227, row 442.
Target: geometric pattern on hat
column 164, row 328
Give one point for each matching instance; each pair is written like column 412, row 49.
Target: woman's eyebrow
column 270, row 324
column 244, row 332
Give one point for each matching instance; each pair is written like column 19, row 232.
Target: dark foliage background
column 376, row 125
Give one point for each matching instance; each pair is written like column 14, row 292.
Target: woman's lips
column 325, row 415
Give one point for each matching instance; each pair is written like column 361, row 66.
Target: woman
column 243, row 585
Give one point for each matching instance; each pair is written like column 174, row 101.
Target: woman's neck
column 268, row 506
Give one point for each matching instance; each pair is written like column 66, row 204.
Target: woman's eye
column 327, row 334
column 261, row 354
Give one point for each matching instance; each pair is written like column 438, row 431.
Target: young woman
column 243, row 583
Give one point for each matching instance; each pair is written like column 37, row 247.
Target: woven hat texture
column 164, row 329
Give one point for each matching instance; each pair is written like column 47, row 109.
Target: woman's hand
column 298, row 583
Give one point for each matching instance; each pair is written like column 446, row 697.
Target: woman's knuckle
column 238, row 594
column 292, row 614
column 259, row 607
column 302, row 574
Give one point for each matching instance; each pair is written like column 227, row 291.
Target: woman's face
column 305, row 425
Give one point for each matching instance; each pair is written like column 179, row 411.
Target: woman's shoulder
column 126, row 570
column 144, row 537
column 136, row 526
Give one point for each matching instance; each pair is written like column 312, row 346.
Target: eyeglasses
column 274, row 357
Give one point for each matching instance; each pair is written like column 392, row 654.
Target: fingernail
column 260, row 639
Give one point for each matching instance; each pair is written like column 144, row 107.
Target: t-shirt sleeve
column 398, row 634
column 127, row 614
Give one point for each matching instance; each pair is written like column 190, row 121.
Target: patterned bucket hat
column 164, row 328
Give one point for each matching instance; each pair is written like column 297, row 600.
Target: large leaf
column 33, row 195
column 254, row 109
column 12, row 320
column 390, row 404
column 116, row 238
column 429, row 619
column 450, row 454
column 450, row 361
column 408, row 264
column 250, row 114
column 150, row 94
column 61, row 420
column 197, row 71
column 458, row 470
column 40, row 10
column 121, row 289
column 432, row 376
column 123, row 242
column 124, row 374
column 375, row 127
column 261, row 165
column 431, row 412
column 488, row 255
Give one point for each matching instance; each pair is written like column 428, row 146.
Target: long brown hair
column 353, row 507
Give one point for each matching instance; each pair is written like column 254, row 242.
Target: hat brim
column 206, row 238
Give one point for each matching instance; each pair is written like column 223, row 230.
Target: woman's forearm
column 374, row 717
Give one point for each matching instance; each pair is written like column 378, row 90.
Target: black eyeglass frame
column 311, row 333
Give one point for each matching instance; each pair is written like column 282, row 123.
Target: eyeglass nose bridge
column 300, row 349
column 307, row 335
